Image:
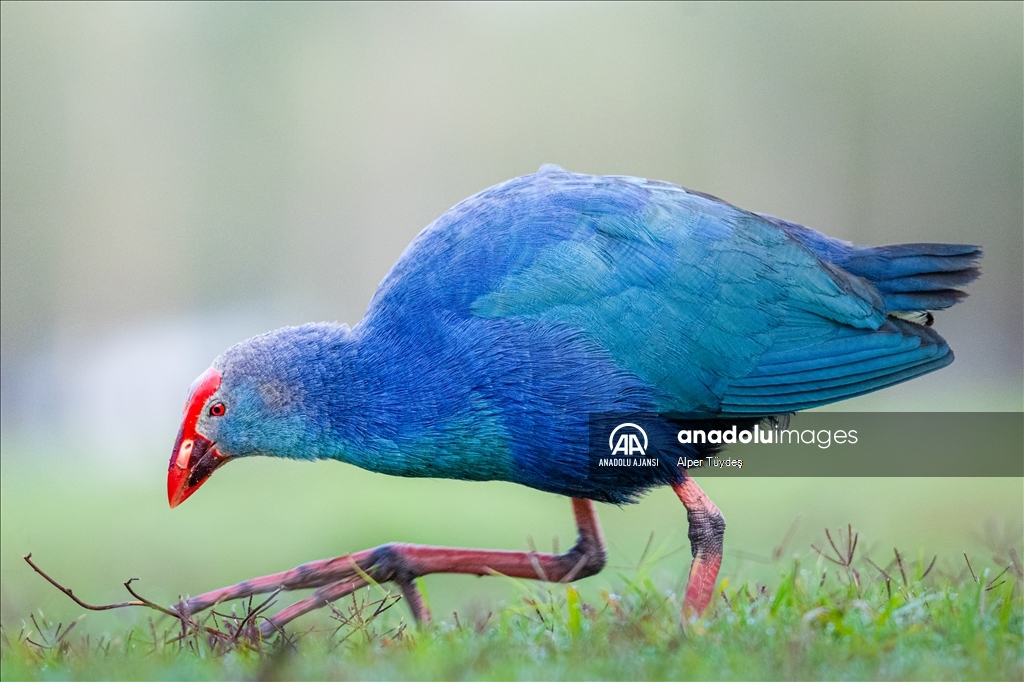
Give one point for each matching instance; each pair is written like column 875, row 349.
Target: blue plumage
column 538, row 302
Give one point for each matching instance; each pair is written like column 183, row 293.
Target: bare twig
column 930, row 566
column 899, row 562
column 69, row 593
column 825, row 556
column 250, row 617
column 888, row 578
column 844, row 557
column 971, row 569
column 1015, row 560
column 139, row 601
column 992, row 583
column 145, row 602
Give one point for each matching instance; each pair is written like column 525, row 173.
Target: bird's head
column 252, row 401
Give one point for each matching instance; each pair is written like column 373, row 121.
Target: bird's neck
column 384, row 404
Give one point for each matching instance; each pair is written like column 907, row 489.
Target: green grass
column 828, row 619
column 92, row 526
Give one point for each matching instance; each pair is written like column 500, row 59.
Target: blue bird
column 537, row 303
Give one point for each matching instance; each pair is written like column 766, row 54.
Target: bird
column 530, row 307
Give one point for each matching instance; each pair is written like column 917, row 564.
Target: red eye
column 217, row 410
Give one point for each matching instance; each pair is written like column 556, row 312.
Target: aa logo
column 629, row 440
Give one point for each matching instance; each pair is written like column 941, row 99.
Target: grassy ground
column 836, row 618
column 93, row 526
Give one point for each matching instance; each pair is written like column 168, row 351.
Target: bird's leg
column 707, row 530
column 312, row 574
column 402, row 564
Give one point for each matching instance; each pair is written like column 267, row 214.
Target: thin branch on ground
column 186, row 621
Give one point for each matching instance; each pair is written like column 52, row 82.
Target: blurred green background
column 177, row 177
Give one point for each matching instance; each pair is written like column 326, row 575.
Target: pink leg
column 402, row 564
column 707, row 530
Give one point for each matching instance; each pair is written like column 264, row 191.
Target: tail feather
column 899, row 260
column 933, row 281
column 909, row 277
column 913, row 277
column 922, row 300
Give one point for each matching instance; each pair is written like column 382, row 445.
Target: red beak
column 194, row 456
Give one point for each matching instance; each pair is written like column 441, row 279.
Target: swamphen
column 543, row 300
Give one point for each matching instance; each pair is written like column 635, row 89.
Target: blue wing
column 717, row 309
